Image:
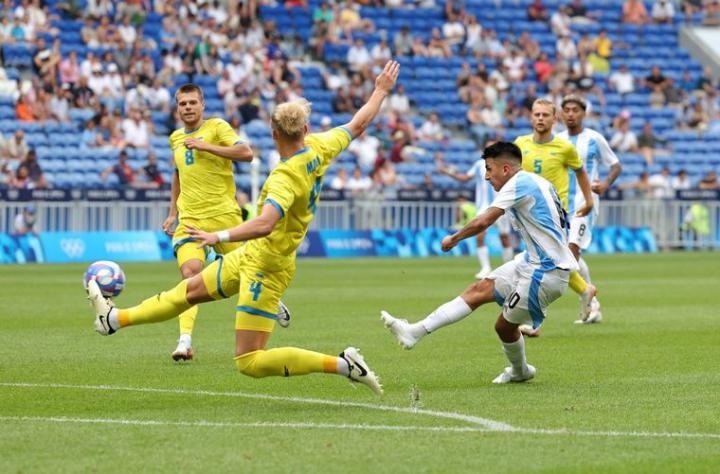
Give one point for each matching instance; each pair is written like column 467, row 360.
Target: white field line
column 473, row 420
column 259, row 424
column 347, row 426
column 481, row 424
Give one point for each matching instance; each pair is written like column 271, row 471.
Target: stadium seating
column 429, row 82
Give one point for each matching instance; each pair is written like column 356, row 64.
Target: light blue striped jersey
column 537, row 213
column 593, row 150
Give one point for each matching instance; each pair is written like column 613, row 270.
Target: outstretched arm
column 367, row 113
column 602, row 186
column 237, row 152
column 460, row 177
column 474, row 227
column 252, row 229
column 584, row 183
column 172, row 212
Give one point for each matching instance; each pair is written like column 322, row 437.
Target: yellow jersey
column 553, row 160
column 207, row 184
column 293, row 188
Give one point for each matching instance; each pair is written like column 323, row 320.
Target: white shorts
column 525, row 291
column 581, row 231
column 503, row 225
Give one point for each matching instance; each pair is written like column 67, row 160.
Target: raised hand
column 388, row 77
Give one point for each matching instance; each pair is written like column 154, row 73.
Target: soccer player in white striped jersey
column 594, row 151
column 526, row 285
column 483, row 197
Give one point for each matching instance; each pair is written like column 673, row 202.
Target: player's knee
column 479, row 292
column 190, row 270
column 247, row 364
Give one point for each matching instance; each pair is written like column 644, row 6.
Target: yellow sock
column 285, row 361
column 577, row 283
column 187, row 320
column 160, row 307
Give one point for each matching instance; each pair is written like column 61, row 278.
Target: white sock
column 113, row 319
column 186, row 339
column 483, row 256
column 449, row 313
column 507, row 254
column 342, row 367
column 515, row 353
column 584, row 270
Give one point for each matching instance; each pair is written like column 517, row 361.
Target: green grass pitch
column 637, row 393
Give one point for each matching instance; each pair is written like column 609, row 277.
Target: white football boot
column 586, row 299
column 283, row 315
column 400, row 329
column 183, row 351
column 509, row 375
column 529, row 331
column 102, row 307
column 595, row 313
column 359, row 370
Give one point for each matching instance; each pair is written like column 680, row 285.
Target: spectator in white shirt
column 399, row 102
column 380, row 55
column 158, row 96
column 358, row 184
column 516, row 66
column 681, row 181
column 358, row 57
column 663, row 11
column 340, row 181
column 365, row 149
column 560, row 22
column 453, row 31
column 565, row 46
column 127, row 32
column 624, row 140
column 240, row 67
column 114, row 82
column 136, row 131
column 431, row 129
column 622, row 81
column 661, row 186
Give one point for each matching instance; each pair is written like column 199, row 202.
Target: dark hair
column 187, row 88
column 503, row 150
column 574, row 99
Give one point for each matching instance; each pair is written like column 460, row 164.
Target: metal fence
column 667, row 219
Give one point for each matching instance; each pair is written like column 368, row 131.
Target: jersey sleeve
column 331, row 143
column 280, row 192
column 473, row 169
column 225, row 134
column 607, row 155
column 572, row 159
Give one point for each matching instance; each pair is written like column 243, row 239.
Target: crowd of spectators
column 256, row 66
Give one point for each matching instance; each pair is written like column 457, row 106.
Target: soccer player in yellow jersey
column 554, row 159
column 202, row 191
column 261, row 270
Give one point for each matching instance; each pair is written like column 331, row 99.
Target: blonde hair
column 289, row 118
column 547, row 102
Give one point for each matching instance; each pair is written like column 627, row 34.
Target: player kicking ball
column 526, row 285
column 260, row 271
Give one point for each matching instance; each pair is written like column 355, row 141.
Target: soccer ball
column 108, row 275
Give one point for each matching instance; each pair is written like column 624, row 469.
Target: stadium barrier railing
column 674, row 223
